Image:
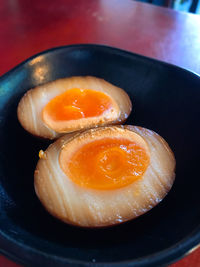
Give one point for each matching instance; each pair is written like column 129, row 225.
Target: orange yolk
column 77, row 104
column 108, row 163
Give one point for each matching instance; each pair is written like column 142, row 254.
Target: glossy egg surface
column 72, row 104
column 104, row 176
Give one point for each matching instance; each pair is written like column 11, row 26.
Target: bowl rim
column 169, row 255
column 98, row 46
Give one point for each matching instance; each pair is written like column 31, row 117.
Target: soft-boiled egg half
column 72, row 104
column 104, row 176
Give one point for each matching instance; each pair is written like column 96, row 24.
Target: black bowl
column 165, row 99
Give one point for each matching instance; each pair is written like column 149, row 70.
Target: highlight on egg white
column 86, row 207
column 31, row 106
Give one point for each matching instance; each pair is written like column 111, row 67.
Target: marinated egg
column 104, row 176
column 72, row 104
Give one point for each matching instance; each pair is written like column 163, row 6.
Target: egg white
column 85, row 207
column 30, row 107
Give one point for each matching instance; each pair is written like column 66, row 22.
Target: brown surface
column 28, row 27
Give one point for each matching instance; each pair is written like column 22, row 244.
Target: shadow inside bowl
column 165, row 100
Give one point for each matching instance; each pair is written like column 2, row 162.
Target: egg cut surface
column 72, row 104
column 104, row 176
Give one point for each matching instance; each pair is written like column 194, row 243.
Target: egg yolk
column 77, row 104
column 108, row 163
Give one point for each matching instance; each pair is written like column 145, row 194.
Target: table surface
column 28, row 27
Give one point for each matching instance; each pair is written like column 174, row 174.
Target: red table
column 28, row 27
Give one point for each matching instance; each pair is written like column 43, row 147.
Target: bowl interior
column 165, row 99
